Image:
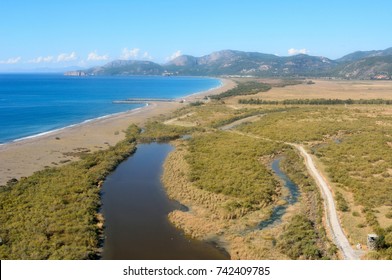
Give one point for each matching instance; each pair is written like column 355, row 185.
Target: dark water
column 291, row 198
column 135, row 207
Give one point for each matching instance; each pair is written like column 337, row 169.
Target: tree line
column 318, row 101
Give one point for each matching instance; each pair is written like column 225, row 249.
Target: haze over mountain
column 358, row 65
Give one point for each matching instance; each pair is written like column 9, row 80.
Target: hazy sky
column 43, row 33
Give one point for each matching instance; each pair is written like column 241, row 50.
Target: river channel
column 135, row 206
column 291, row 198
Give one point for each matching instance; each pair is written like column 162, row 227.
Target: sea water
column 32, row 104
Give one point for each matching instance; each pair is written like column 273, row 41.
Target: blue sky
column 43, row 33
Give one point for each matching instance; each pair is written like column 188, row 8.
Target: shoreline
column 53, row 131
column 22, row 157
column 144, row 104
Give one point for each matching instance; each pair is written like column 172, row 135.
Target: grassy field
column 326, row 89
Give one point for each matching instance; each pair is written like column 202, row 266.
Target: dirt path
column 241, row 121
column 336, row 230
column 339, row 238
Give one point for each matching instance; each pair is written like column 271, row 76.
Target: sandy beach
column 24, row 157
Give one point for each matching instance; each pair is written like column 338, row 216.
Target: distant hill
column 364, row 54
column 229, row 62
column 373, row 67
column 357, row 65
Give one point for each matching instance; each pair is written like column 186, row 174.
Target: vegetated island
column 224, row 176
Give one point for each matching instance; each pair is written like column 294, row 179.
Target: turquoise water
column 32, row 104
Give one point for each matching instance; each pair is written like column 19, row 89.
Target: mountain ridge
column 357, row 65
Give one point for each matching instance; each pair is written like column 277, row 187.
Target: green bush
column 298, row 240
column 341, row 202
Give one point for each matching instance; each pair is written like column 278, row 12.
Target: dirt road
column 336, row 230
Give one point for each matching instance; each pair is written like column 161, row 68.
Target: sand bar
column 24, row 157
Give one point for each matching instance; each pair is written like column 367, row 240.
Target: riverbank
column 23, row 158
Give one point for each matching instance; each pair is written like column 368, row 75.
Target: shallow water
column 135, row 207
column 291, row 198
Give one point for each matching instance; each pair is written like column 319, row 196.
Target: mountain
column 364, row 54
column 357, row 65
column 183, row 61
column 229, row 62
column 373, row 67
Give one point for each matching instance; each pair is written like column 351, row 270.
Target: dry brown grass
column 327, row 90
column 381, row 213
column 355, row 225
column 182, row 120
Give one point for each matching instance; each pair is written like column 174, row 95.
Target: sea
column 35, row 104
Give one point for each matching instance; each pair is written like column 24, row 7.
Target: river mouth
column 135, row 207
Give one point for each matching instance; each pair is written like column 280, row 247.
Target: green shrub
column 356, row 214
column 341, row 202
column 299, row 240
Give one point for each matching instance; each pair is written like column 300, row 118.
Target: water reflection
column 135, row 207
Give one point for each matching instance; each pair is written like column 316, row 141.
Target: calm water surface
column 135, row 207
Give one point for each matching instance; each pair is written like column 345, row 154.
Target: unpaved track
column 338, row 235
column 339, row 238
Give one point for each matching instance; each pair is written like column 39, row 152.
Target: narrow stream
column 135, row 207
column 291, row 198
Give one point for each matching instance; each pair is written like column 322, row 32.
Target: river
column 135, row 206
column 290, row 199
